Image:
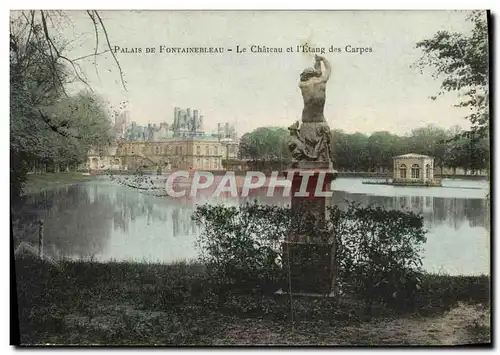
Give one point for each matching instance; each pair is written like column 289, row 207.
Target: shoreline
column 88, row 303
column 361, row 174
column 38, row 183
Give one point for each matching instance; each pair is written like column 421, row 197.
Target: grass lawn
column 40, row 182
column 88, row 303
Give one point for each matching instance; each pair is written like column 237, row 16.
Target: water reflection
column 106, row 221
column 109, row 221
column 453, row 212
column 77, row 220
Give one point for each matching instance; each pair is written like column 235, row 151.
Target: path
column 453, row 328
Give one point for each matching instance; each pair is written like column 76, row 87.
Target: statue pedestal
column 308, row 256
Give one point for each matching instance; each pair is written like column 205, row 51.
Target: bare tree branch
column 90, row 55
column 91, row 15
column 59, row 55
column 55, row 128
column 109, row 46
column 52, row 58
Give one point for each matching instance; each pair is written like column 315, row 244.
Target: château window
column 198, row 150
column 428, row 171
column 207, row 151
column 157, row 150
column 402, row 171
column 415, row 171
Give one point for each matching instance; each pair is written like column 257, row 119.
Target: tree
column 356, row 151
column 39, row 71
column 350, row 150
column 86, row 117
column 430, row 140
column 266, row 144
column 462, row 62
column 338, row 151
column 466, row 152
column 382, row 146
column 480, row 155
column 360, row 152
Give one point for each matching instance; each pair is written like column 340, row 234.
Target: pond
column 104, row 220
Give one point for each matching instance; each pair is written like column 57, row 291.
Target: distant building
column 162, row 132
column 122, row 122
column 413, row 168
column 204, row 152
column 187, row 123
column 230, row 149
column 182, row 145
column 226, row 130
column 106, row 160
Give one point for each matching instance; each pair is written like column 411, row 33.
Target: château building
column 182, row 145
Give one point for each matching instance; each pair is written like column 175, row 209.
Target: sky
column 367, row 92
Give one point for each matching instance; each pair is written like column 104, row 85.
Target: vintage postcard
column 212, row 178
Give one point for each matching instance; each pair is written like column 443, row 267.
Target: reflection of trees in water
column 130, row 205
column 175, row 213
column 436, row 210
column 77, row 219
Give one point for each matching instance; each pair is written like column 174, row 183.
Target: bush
column 442, row 292
column 377, row 252
column 240, row 246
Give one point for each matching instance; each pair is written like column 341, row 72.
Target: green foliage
column 240, row 245
column 450, row 148
column 442, row 292
column 461, row 61
column 265, row 143
column 430, row 140
column 468, row 153
column 377, row 253
column 350, row 150
column 87, row 302
column 381, row 147
column 266, row 148
column 46, row 125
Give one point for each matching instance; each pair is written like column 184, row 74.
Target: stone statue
column 296, row 146
column 313, row 86
column 312, row 141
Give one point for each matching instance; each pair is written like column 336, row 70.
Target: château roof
column 411, row 155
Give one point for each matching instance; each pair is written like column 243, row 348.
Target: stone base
column 311, row 268
column 313, row 198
